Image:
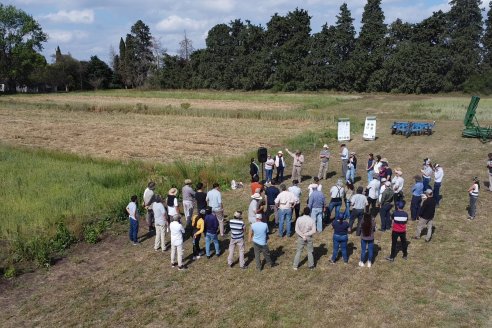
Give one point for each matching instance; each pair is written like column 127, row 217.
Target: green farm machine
column 472, row 127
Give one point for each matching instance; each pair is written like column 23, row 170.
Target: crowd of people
column 274, row 206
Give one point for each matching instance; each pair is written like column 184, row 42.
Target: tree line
column 448, row 51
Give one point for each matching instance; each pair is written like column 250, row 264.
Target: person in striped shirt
column 400, row 219
column 237, row 227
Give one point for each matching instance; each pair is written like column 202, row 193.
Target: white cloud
column 176, row 23
column 66, row 36
column 85, row 16
column 219, row 5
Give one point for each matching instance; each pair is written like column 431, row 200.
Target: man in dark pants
column 258, row 235
column 271, row 192
column 417, row 191
column 400, row 219
column 386, row 204
column 426, row 216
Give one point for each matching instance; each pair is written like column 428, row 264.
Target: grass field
column 445, row 283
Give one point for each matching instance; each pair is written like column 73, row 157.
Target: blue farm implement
column 412, row 128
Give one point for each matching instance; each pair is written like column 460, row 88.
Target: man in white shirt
column 438, row 175
column 177, row 232
column 269, row 164
column 297, row 193
column 305, row 229
column 344, row 156
column 397, row 184
column 324, row 157
column 336, row 193
column 316, row 185
column 161, row 225
column 373, row 195
column 214, row 200
column 285, row 202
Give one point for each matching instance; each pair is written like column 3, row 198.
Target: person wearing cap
column 132, row 211
column 426, row 173
column 285, row 202
column 340, row 238
column 344, row 157
column 358, row 202
column 161, row 224
column 254, row 207
column 426, row 215
column 370, row 167
column 214, row 200
column 473, row 192
column 198, row 225
column 297, row 193
column 177, row 232
column 324, row 157
column 271, row 192
column 297, row 164
column 211, row 227
column 336, row 199
column 489, row 168
column 373, row 188
column 397, row 183
column 438, row 175
column 258, row 235
column 188, row 195
column 386, row 204
column 269, row 164
column 317, row 204
column 400, row 219
column 417, row 191
column 280, row 165
column 172, row 202
column 237, row 238
column 305, row 229
column 148, row 199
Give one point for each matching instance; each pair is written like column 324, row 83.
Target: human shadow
column 331, row 174
column 318, row 252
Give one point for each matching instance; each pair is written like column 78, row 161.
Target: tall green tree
column 487, row 39
column 138, row 54
column 99, row 73
column 344, row 42
column 21, row 37
column 465, row 30
column 370, row 49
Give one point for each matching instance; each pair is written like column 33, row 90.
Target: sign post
column 343, row 129
column 370, row 128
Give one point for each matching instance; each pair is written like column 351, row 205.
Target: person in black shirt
column 426, row 216
column 200, row 197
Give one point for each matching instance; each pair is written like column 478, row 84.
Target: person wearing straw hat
column 148, row 199
column 237, row 238
column 254, row 207
column 297, row 164
column 280, row 165
column 397, row 184
column 438, row 175
column 324, row 157
column 172, row 202
column 426, row 173
column 188, row 200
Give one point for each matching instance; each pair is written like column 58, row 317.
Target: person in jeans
column 211, row 226
column 386, row 204
column 473, row 192
column 367, row 240
column 214, row 200
column 237, row 238
column 269, row 164
column 426, row 173
column 336, row 193
column 177, row 232
column 370, row 167
column 271, row 193
column 316, row 204
column 373, row 194
column 132, row 211
column 417, row 191
column 161, row 225
column 305, row 229
column 285, row 201
column 400, row 219
column 358, row 203
column 426, row 215
column 198, row 225
column 258, row 235
column 340, row 238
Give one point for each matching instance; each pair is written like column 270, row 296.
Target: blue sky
column 90, row 27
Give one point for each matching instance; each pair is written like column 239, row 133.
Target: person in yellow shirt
column 198, row 225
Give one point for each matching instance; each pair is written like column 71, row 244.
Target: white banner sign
column 343, row 129
column 370, row 128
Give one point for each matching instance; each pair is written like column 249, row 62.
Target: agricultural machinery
column 474, row 130
column 412, row 128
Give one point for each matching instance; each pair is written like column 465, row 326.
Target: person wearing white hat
column 397, row 184
column 386, row 204
column 254, row 206
column 324, row 157
column 438, row 175
column 172, row 202
column 297, row 164
column 280, row 165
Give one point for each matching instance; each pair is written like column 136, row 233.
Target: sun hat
column 383, row 179
column 187, row 181
column 256, row 196
column 173, row 191
column 280, row 152
column 259, row 216
column 387, row 183
column 325, row 146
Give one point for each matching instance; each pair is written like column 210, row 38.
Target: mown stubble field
column 445, row 283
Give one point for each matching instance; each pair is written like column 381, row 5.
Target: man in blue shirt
column 417, row 191
column 271, row 192
column 316, row 204
column 258, row 234
column 211, row 226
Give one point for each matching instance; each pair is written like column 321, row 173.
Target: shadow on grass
column 318, row 252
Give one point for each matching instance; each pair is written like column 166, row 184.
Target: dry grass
column 445, row 283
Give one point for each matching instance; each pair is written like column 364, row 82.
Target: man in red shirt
column 400, row 219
